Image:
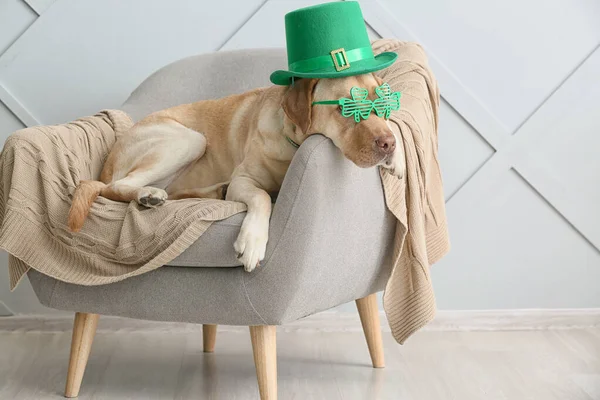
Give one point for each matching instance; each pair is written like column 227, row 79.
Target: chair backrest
column 207, row 76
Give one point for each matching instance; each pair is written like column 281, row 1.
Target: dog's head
column 366, row 143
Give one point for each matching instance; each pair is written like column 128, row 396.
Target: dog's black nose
column 386, row 144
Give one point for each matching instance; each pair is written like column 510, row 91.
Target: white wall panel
column 461, row 150
column 511, row 54
column 372, row 33
column 82, row 56
column 15, row 18
column 8, row 123
column 568, row 155
column 39, row 6
column 556, row 151
column 513, row 250
column 267, row 27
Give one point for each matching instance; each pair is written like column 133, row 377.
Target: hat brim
column 377, row 63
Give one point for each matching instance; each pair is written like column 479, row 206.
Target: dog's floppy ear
column 297, row 102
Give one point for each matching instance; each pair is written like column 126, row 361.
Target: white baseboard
column 476, row 320
column 333, row 321
column 503, row 320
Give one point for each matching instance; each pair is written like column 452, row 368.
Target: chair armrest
column 329, row 237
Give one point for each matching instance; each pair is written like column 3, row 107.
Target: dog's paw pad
column 395, row 166
column 152, row 197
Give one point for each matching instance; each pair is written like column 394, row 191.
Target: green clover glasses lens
column 359, row 106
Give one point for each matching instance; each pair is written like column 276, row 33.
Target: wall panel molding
column 39, row 6
column 18, row 109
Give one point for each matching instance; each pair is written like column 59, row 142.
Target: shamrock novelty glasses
column 360, row 106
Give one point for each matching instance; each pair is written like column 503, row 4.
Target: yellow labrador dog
column 238, row 148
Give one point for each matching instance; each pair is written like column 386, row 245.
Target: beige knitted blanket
column 417, row 201
column 41, row 166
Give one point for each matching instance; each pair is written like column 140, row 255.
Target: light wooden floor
column 526, row 365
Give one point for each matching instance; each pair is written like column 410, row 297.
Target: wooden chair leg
column 209, row 336
column 84, row 329
column 369, row 317
column 265, row 359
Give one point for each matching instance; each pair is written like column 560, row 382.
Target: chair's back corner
column 206, row 76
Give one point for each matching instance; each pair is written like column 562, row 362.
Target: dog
column 237, row 148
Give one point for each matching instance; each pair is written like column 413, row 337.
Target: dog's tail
column 83, row 198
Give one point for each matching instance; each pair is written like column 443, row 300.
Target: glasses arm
column 336, row 102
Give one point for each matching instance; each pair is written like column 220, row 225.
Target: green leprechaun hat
column 329, row 41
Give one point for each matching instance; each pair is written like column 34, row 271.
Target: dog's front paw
column 251, row 244
column 395, row 164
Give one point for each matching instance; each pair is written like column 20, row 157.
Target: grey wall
column 519, row 130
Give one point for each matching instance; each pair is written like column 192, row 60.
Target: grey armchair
column 330, row 235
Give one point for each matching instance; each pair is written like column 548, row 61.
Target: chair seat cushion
column 215, row 247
